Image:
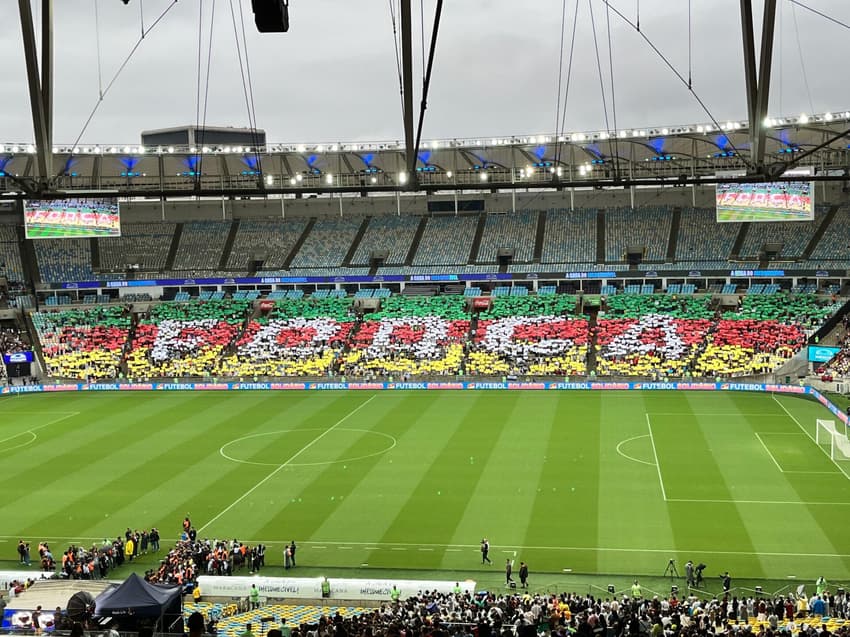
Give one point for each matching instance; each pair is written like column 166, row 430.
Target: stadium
column 584, row 380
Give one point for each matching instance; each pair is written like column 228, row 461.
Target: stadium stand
column 328, row 242
column 299, row 337
column 145, row 243
column 536, row 335
column 447, row 240
column 648, row 228
column 570, row 237
column 794, row 235
column 509, row 230
column 10, row 254
column 835, row 242
column 64, row 259
column 184, row 339
column 201, row 245
column 702, row 242
column 83, row 344
column 410, row 336
column 391, row 234
column 274, row 238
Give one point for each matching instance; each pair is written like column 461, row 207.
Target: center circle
column 253, row 449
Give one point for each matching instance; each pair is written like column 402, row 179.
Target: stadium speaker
column 271, row 16
column 505, row 252
column 634, row 254
column 772, row 250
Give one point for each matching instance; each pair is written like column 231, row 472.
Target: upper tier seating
column 274, row 238
column 794, row 235
column 835, row 242
column 147, row 244
column 328, row 242
column 702, row 238
column 570, row 236
column 83, row 344
column 391, row 234
column 447, row 240
column 510, row 230
column 10, row 254
column 179, row 340
column 201, row 245
column 647, row 227
column 64, row 259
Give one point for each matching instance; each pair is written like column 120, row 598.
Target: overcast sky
column 333, row 77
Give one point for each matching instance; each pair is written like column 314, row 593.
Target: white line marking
column 68, row 414
column 293, row 457
column 783, row 502
column 454, row 550
column 775, row 461
column 819, row 473
column 627, row 456
column 319, row 548
column 805, row 431
column 655, row 455
column 344, row 548
column 423, row 548
column 401, row 546
column 688, row 413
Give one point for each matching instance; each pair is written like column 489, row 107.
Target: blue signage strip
column 820, row 354
column 17, row 357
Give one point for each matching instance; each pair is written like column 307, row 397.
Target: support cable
column 118, row 72
column 681, row 79
column 252, row 111
column 613, row 95
column 397, row 56
column 206, row 98
column 802, row 61
column 563, row 123
column 97, row 44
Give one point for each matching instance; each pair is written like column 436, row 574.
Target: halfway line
column 293, row 457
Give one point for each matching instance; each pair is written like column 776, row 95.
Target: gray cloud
column 334, row 76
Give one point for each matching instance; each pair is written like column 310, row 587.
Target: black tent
column 136, row 602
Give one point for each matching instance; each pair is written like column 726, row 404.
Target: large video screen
column 769, row 201
column 70, row 218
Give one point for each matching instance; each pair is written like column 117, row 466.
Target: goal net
column 833, row 439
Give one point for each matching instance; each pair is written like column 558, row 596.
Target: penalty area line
column 291, row 459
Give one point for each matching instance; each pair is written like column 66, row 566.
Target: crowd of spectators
column 11, row 341
column 191, row 557
column 570, row 614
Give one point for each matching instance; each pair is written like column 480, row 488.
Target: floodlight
column 329, row 179
column 298, row 178
column 301, row 148
column 141, row 150
column 320, row 149
column 334, row 148
column 193, row 150
column 269, row 180
column 665, row 131
column 171, row 149
column 603, row 135
column 483, row 176
column 15, row 149
column 292, row 181
column 75, row 151
column 448, row 174
column 374, row 180
column 402, row 178
column 55, row 150
column 30, row 149
column 804, row 119
column 828, row 117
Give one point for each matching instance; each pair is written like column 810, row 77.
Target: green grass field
column 595, row 482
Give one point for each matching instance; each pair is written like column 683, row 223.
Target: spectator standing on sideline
column 523, row 574
column 292, row 548
column 636, row 592
column 509, row 567
column 485, row 551
column 287, row 557
column 689, row 574
column 255, row 599
column 727, row 581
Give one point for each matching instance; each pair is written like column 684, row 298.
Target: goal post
column 833, row 439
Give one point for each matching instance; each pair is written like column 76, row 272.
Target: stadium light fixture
column 98, row 150
column 804, row 119
column 483, row 175
column 171, row 149
column 329, row 179
column 301, row 148
column 55, row 150
column 127, row 149
column 449, row 174
column 374, row 180
column 828, row 117
column 603, row 135
column 30, row 149
column 402, row 178
column 335, row 148
column 320, row 149
column 299, row 178
column 76, row 150
column 269, row 180
column 292, row 181
column 558, row 171
column 624, row 134
column 142, row 150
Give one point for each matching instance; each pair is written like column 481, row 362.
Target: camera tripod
column 671, row 569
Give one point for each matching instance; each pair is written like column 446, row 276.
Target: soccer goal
column 833, row 439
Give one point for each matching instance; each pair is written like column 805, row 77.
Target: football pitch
column 577, row 481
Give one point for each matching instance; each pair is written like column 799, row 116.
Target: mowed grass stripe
column 690, row 465
column 322, row 490
column 320, row 412
column 632, row 513
column 436, row 504
column 565, row 504
column 171, row 476
column 371, row 509
column 81, row 458
column 502, row 505
column 106, row 482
